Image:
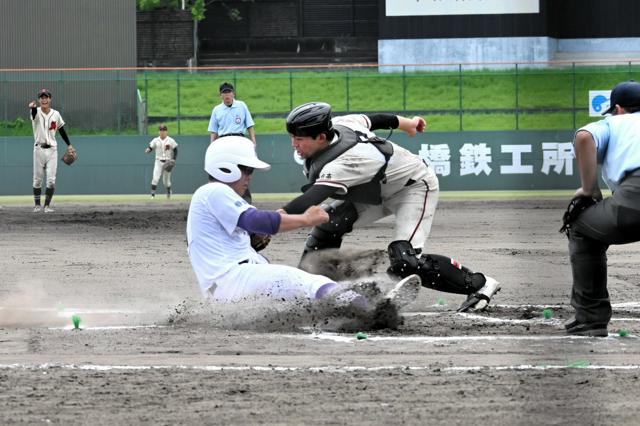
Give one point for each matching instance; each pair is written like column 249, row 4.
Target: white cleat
column 48, row 209
column 405, row 291
column 479, row 300
column 37, row 209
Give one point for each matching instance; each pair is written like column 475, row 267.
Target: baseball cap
column 44, row 92
column 625, row 94
column 226, row 87
column 162, row 127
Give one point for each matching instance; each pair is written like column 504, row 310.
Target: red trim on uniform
column 424, row 208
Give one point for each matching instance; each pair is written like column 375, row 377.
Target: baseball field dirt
column 148, row 350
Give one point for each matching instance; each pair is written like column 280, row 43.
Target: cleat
column 168, row 194
column 153, row 196
column 405, row 291
column 588, row 329
column 48, row 209
column 37, row 209
column 480, row 299
column 369, row 289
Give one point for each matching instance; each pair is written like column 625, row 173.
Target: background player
column 166, row 149
column 373, row 178
column 228, row 268
column 45, row 121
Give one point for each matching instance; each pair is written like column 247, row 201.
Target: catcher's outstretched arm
column 312, row 197
column 63, row 133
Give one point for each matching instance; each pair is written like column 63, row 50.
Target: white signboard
column 598, row 102
column 460, row 7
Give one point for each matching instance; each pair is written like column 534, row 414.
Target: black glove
column 260, row 241
column 575, row 208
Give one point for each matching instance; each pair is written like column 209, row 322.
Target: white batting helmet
column 224, row 155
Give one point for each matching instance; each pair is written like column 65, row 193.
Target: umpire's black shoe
column 592, row 329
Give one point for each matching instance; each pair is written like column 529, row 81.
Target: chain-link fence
column 451, row 97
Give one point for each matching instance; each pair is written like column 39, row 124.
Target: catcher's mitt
column 169, row 165
column 260, row 241
column 576, row 206
column 70, row 155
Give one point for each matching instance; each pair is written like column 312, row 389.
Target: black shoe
column 592, row 329
column 570, row 323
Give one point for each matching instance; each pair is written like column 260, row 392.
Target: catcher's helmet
column 225, row 155
column 310, row 119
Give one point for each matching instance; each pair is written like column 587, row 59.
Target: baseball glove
column 576, row 206
column 260, row 241
column 169, row 165
column 70, row 155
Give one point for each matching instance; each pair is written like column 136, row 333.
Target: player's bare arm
column 586, row 156
column 214, row 136
column 412, row 126
column 390, row 121
column 314, row 215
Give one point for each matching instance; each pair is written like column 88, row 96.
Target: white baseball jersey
column 410, row 192
column 163, row 147
column 360, row 163
column 226, row 266
column 45, row 126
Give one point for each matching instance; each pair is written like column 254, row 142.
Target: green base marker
column 547, row 313
column 623, row 333
column 76, row 321
column 361, row 336
column 441, row 301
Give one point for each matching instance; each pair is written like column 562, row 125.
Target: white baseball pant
column 45, row 159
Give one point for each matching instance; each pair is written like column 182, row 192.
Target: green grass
column 9, row 200
column 437, row 95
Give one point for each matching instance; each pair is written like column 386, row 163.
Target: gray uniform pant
column 615, row 220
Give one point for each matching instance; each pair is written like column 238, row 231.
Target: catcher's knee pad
column 403, row 258
column 329, row 235
column 445, row 274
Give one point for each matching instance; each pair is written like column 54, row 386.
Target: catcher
column 46, row 121
column 166, row 154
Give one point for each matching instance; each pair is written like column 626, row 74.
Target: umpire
column 613, row 142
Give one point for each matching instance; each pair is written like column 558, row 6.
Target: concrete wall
column 462, row 160
column 493, row 51
column 46, row 35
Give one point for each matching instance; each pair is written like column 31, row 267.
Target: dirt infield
column 150, row 351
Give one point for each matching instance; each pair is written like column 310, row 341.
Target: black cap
column 625, row 94
column 162, row 127
column 226, row 87
column 44, row 92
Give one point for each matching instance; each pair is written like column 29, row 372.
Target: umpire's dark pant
column 615, row 220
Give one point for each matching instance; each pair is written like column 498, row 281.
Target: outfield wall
column 506, row 160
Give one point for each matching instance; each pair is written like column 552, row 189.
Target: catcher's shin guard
column 445, row 274
column 329, row 235
column 437, row 272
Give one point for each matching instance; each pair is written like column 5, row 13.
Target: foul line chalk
column 324, row 369
column 108, row 327
column 440, row 339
